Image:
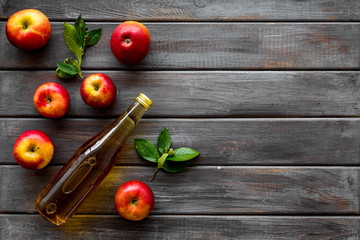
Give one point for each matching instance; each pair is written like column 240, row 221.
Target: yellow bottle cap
column 144, row 100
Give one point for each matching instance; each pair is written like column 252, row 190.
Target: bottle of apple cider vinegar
column 89, row 165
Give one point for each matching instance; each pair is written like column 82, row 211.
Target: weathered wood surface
column 255, row 167
column 192, row 10
column 199, row 93
column 220, row 141
column 181, row 227
column 228, row 46
column 206, row 190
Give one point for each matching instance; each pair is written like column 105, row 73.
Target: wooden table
column 267, row 91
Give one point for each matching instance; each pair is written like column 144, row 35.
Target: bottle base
column 57, row 221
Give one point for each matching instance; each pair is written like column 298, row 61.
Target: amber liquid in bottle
column 89, row 165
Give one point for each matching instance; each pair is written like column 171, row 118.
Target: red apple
column 134, row 200
column 98, row 91
column 52, row 100
column 130, row 42
column 28, row 29
column 33, row 149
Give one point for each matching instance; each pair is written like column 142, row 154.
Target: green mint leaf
column 74, row 48
column 164, row 141
column 67, row 68
column 71, row 33
column 171, row 166
column 64, row 75
column 94, row 37
column 82, row 31
column 146, row 150
column 183, row 154
column 72, row 40
column 76, row 64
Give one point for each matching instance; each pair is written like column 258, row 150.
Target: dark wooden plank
column 210, row 46
column 220, row 141
column 181, row 227
column 199, row 94
column 192, row 10
column 206, row 190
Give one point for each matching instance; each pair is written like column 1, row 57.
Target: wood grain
column 191, row 10
column 220, row 141
column 199, row 94
column 267, row 178
column 206, row 190
column 181, row 227
column 209, row 46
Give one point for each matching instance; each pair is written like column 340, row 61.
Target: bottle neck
column 119, row 130
column 135, row 111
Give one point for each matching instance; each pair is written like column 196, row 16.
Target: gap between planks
column 222, row 167
column 210, row 215
column 191, row 70
column 247, row 21
column 201, row 119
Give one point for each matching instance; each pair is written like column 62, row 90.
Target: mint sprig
column 171, row 160
column 77, row 38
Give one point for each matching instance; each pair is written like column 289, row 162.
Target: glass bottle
column 89, row 165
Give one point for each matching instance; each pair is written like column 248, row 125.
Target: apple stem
column 34, row 149
column 127, row 40
column 153, row 176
